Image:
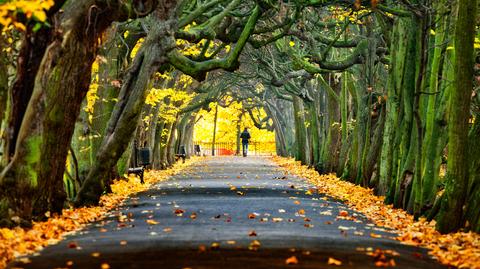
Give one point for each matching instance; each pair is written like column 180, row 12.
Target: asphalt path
column 230, row 212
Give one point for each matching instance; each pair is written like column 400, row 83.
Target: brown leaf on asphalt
column 72, row 245
column 193, row 215
column 291, row 261
column 251, row 216
column 332, row 261
column 179, row 212
column 252, row 233
column 202, row 248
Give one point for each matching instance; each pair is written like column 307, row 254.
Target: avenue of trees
column 382, row 93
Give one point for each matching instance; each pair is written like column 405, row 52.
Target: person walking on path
column 245, row 136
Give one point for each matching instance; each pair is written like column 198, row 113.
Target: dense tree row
column 383, row 93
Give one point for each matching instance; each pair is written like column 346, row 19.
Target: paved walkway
column 210, row 217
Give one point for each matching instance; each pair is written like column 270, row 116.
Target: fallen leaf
column 374, row 235
column 251, row 216
column 291, row 261
column 343, row 213
column 179, row 212
column 123, row 243
column 72, row 245
column 96, row 254
column 332, row 261
column 152, row 222
column 254, row 245
column 167, row 230
column 105, row 266
column 215, row 246
column 252, row 233
column 193, row 215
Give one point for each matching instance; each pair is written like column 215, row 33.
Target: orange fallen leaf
column 123, row 242
column 193, row 215
column 296, row 202
column 374, row 235
column 343, row 213
column 332, row 261
column 202, row 248
column 291, row 261
column 251, row 216
column 152, row 222
column 301, row 212
column 105, row 266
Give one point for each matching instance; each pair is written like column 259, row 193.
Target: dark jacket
column 245, row 136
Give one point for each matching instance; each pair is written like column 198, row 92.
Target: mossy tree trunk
column 36, row 169
column 451, row 213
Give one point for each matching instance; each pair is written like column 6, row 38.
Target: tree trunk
column 127, row 112
column 451, row 213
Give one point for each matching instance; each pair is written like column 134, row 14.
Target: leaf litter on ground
column 18, row 241
column 460, row 249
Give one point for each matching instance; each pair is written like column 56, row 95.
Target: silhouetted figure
column 245, row 136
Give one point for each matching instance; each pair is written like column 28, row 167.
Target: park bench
column 141, row 160
column 182, row 153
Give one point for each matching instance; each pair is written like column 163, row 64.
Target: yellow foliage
column 227, row 125
column 137, row 46
column 33, row 9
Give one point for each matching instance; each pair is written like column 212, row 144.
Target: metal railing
column 230, row 148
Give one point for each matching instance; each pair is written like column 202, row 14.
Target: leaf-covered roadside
column 458, row 249
column 18, row 241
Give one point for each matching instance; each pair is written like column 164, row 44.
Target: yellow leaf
column 332, row 261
